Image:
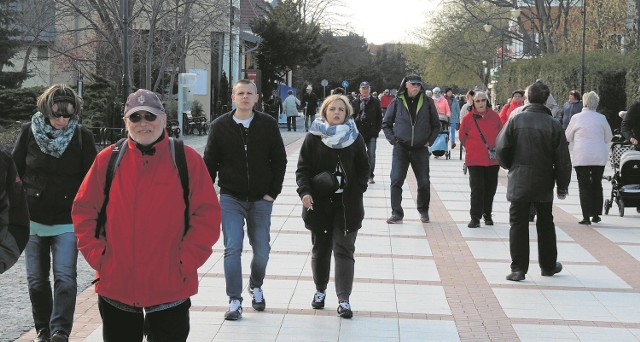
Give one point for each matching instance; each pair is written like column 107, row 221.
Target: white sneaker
column 258, row 303
column 235, row 310
column 318, row 300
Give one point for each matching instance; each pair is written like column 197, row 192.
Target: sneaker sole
column 317, row 305
column 259, row 306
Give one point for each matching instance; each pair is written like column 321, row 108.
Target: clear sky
column 386, row 21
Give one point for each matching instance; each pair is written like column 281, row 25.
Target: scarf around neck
column 50, row 140
column 335, row 136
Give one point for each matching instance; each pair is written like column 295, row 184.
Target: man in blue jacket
column 410, row 124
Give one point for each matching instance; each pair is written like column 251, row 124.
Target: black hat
column 413, row 78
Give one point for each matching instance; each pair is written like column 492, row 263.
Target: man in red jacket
column 147, row 260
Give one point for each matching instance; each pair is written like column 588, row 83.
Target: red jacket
column 506, row 110
column 476, row 150
column 145, row 260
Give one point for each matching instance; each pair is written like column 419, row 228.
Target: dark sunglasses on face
column 62, row 110
column 136, row 117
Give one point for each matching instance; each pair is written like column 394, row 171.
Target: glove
column 562, row 193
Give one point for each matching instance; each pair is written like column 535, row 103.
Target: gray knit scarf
column 335, row 136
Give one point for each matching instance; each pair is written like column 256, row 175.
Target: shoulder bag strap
column 480, row 131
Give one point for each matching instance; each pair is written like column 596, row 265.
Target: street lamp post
column 484, row 74
column 584, row 43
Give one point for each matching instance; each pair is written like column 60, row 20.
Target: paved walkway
column 439, row 281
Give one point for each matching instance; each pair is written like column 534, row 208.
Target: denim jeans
column 452, row 129
column 258, row 218
column 419, row 161
column 170, row 325
column 52, row 312
column 371, row 152
column 519, row 236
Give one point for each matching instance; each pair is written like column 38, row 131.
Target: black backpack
column 179, row 161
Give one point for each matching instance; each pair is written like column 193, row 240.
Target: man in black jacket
column 14, row 213
column 246, row 152
column 410, row 124
column 368, row 118
column 533, row 147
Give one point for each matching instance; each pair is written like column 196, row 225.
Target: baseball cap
column 437, row 90
column 365, row 84
column 145, row 100
column 414, row 79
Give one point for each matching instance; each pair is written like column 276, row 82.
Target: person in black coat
column 367, row 114
column 53, row 153
column 333, row 210
column 14, row 213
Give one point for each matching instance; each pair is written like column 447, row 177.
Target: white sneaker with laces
column 235, row 310
column 318, row 300
column 258, row 303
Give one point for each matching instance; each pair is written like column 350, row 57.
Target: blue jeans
column 419, row 161
column 52, row 312
column 452, row 129
column 258, row 217
column 371, row 152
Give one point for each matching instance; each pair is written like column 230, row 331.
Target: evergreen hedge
column 614, row 77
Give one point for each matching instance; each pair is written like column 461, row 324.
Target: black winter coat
column 316, row 157
column 52, row 183
column 534, row 148
column 14, row 213
column 369, row 123
column 248, row 167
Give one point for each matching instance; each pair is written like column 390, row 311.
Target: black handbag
column 324, row 184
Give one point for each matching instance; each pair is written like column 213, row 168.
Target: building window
column 43, row 53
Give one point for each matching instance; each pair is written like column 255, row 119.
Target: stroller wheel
column 621, row 207
column 607, row 206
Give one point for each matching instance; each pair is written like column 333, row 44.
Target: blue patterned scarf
column 50, row 140
column 335, row 136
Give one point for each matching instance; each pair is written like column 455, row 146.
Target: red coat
column 476, row 150
column 145, row 260
column 506, row 110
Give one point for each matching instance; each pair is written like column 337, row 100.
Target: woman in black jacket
column 52, row 154
column 333, row 207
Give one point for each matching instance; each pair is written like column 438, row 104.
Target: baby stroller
column 625, row 182
column 440, row 146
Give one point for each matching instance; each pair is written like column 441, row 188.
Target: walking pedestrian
column 454, row 119
column 533, row 147
column 517, row 100
column 571, row 107
column 290, row 106
column 590, row 134
column 159, row 226
column 310, row 104
column 368, row 118
column 273, row 105
column 333, row 210
column 385, row 100
column 478, row 132
column 14, row 213
column 246, row 153
column 52, row 155
column 410, row 124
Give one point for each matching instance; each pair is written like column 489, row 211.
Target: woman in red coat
column 517, row 100
column 478, row 133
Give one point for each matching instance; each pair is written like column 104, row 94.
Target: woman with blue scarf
column 333, row 206
column 52, row 155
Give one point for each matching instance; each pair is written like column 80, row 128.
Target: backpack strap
column 114, row 160
column 180, row 162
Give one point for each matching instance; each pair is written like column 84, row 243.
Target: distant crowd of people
column 145, row 215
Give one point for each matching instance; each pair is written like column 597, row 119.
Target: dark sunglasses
column 136, row 117
column 58, row 115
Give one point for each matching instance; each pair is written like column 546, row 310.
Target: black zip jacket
column 14, row 213
column 316, row 157
column 369, row 123
column 399, row 126
column 247, row 167
column 52, row 183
